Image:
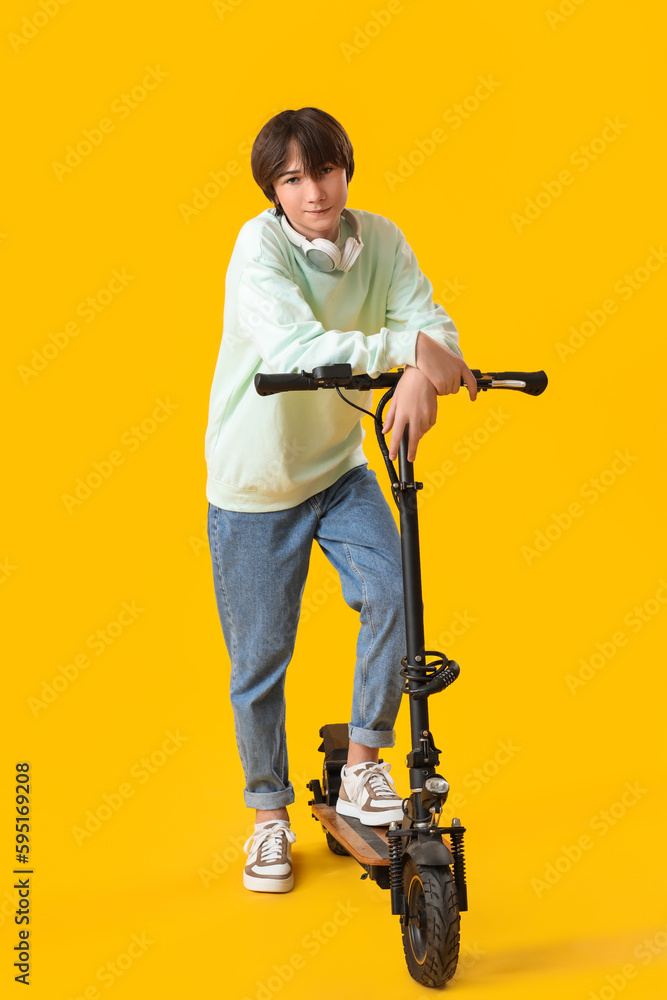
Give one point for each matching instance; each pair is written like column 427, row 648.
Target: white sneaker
column 368, row 793
column 269, row 867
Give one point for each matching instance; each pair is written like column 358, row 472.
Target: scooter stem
column 423, row 759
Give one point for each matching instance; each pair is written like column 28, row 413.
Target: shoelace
column 268, row 842
column 378, row 778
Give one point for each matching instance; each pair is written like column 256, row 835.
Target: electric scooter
column 421, row 862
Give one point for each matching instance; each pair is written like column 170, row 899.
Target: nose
column 314, row 190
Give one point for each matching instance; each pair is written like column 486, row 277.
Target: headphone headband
column 323, row 254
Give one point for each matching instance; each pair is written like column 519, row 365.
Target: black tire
column 329, row 788
column 431, row 937
column 329, row 798
column 334, row 846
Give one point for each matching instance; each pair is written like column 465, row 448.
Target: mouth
column 322, row 211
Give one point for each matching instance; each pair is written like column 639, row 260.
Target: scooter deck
column 367, row 844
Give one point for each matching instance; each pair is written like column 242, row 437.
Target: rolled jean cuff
column 371, row 737
column 270, row 800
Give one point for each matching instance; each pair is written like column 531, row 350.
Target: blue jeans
column 260, row 562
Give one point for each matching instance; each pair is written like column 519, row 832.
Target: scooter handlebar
column 329, row 376
column 268, row 385
column 534, row 383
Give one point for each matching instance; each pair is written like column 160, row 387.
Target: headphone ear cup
column 323, row 254
column 351, row 251
column 324, row 245
column 330, row 249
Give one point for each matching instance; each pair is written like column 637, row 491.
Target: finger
column 397, row 435
column 413, row 440
column 389, row 418
column 471, row 382
column 452, row 384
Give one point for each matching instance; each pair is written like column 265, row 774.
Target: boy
column 312, row 283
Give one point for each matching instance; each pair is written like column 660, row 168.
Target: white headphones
column 323, row 254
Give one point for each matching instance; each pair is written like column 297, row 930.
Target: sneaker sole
column 380, row 818
column 268, row 884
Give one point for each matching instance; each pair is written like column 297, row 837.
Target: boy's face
column 312, row 204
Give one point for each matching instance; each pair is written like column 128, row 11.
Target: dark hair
column 318, row 137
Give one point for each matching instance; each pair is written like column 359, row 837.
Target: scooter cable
column 377, row 418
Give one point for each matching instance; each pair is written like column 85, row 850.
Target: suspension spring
column 395, row 848
column 456, row 835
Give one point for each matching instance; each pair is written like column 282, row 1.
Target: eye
column 326, row 169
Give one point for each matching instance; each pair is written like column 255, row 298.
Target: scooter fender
column 433, row 852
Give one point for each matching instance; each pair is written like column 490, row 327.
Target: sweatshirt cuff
column 400, row 348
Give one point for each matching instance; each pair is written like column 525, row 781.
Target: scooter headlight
column 434, row 793
column 437, row 785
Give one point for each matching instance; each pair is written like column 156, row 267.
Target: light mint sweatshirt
column 282, row 314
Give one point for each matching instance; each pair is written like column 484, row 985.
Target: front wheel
column 430, row 926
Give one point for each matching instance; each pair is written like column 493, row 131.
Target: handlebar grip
column 536, row 382
column 268, row 385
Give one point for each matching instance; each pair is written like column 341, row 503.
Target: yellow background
column 141, row 535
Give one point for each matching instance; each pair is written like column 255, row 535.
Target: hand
column 442, row 367
column 414, row 402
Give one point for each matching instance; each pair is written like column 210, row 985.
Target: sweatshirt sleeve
column 410, row 302
column 274, row 314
